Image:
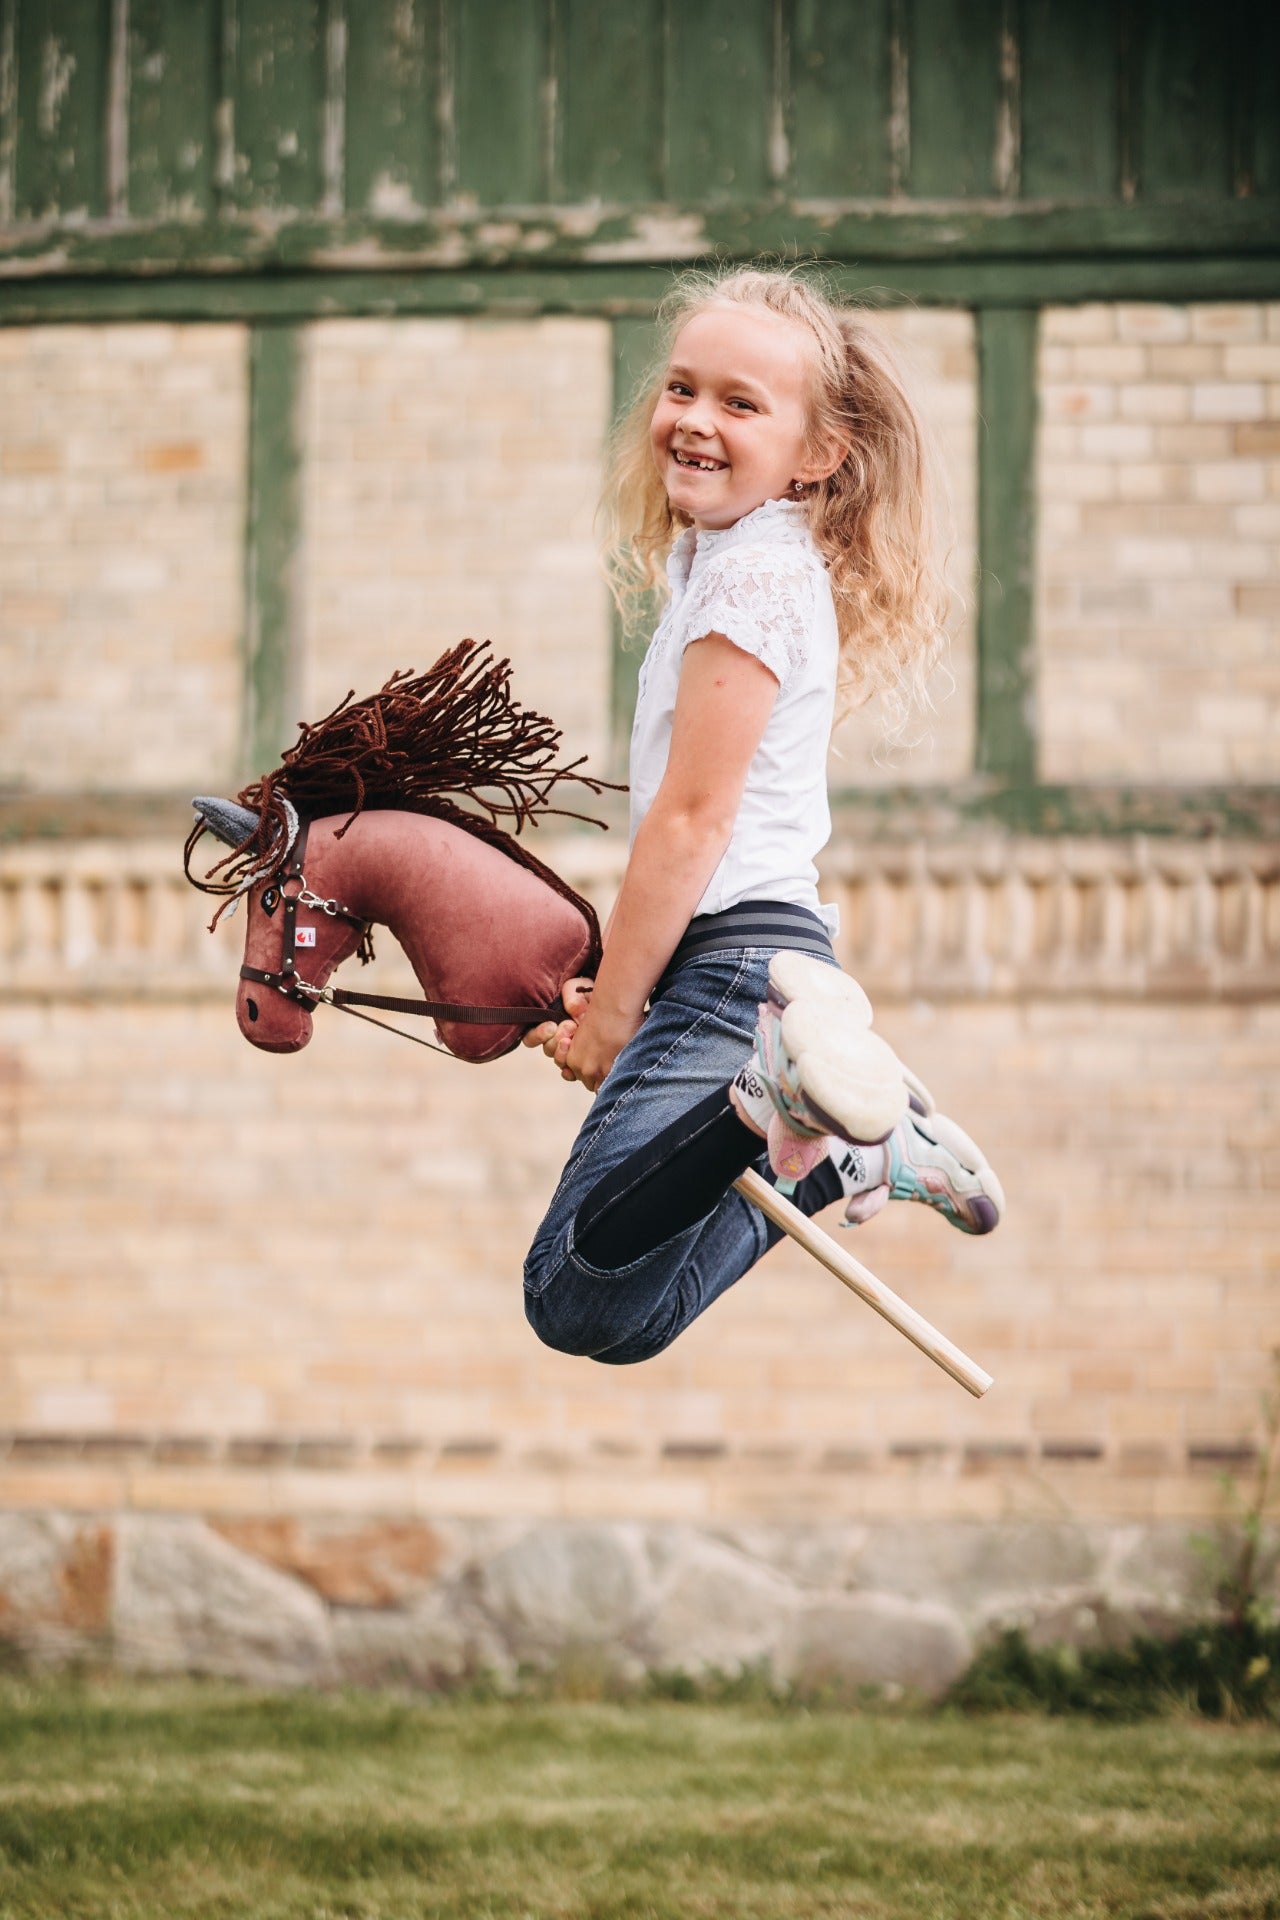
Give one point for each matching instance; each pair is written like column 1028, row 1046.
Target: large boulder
column 187, row 1601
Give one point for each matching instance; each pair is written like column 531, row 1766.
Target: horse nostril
column 252, row 1006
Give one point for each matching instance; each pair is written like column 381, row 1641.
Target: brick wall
column 1159, row 558
column 451, row 481
column 937, row 351
column 122, row 504
column 219, row 1265
column 239, row 1284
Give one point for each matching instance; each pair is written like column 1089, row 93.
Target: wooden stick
column 863, row 1282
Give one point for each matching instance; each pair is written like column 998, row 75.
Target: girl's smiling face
column 728, row 432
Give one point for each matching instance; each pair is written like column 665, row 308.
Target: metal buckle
column 299, row 985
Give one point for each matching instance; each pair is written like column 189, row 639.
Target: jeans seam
column 744, row 961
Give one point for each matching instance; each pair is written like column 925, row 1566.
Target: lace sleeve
column 759, row 598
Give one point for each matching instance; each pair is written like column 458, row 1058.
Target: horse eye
column 270, row 901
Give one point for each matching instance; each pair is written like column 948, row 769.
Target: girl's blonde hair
column 875, row 520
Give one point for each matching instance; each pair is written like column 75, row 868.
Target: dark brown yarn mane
column 452, row 731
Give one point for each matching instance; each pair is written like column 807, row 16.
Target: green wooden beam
column 867, row 236
column 271, row 638
column 1006, row 743
column 609, row 290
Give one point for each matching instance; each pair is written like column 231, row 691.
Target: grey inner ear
column 231, row 824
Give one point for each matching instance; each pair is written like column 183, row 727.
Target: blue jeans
column 697, row 1034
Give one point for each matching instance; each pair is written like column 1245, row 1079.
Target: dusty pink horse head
column 480, row 928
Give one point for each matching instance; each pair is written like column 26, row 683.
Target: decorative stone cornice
column 955, row 918
column 1012, row 918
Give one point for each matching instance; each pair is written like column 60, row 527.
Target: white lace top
column 763, row 584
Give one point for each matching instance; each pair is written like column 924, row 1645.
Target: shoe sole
column 988, row 1206
column 796, row 975
column 851, row 1079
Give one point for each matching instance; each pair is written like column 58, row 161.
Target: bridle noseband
column 288, row 981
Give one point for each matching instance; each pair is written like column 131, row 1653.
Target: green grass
column 192, row 1800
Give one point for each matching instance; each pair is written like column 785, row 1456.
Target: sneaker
column 823, row 1069
column 932, row 1160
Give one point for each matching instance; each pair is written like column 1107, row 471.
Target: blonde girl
column 777, row 464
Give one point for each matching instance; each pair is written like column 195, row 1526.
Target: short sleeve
column 760, row 598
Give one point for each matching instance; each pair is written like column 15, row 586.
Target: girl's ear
column 824, row 461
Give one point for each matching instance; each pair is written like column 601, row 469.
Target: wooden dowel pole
column 863, row 1282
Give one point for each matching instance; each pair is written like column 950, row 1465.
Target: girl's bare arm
column 723, row 705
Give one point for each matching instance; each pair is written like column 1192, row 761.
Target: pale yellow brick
column 1151, row 480
column 1089, row 324
column 1085, row 480
column 1150, row 322
column 1076, row 401
column 1154, row 400
column 1227, row 322
column 1257, row 521
column 1202, row 440
column 1228, row 400
column 1184, row 363
column 1232, row 480
column 1109, row 363
column 1118, row 441
column 1260, row 361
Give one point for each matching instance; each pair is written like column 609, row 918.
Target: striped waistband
column 752, row 923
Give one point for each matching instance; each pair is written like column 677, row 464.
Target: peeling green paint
column 970, row 247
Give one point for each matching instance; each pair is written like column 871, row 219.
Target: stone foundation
column 437, row 1603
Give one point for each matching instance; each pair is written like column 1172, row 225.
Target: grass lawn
column 194, row 1800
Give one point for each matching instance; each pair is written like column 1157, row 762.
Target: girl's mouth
column 697, row 462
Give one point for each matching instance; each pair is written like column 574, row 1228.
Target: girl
column 779, row 444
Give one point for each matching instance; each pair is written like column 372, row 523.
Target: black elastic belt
column 774, row 924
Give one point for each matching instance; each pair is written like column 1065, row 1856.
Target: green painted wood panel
column 635, row 346
column 393, row 131
column 1258, row 83
column 840, row 99
column 1006, row 743
column 271, row 636
column 609, row 63
column 953, row 55
column 173, row 65
column 180, row 287
column 1070, row 86
column 8, row 105
column 277, row 87
column 501, row 89
column 720, row 96
column 62, row 60
column 1183, row 106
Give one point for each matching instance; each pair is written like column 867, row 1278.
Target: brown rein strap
column 287, row 980
column 386, row 1003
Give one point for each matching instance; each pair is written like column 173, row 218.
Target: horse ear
column 231, row 824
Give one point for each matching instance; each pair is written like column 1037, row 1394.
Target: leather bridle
column 288, row 981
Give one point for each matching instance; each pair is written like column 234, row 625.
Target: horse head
column 481, row 927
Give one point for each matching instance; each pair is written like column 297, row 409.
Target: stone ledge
column 356, row 1456
column 989, row 918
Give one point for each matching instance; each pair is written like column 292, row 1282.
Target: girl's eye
column 746, row 405
column 677, row 386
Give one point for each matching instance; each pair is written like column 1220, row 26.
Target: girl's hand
column 589, row 1051
column 552, row 1037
